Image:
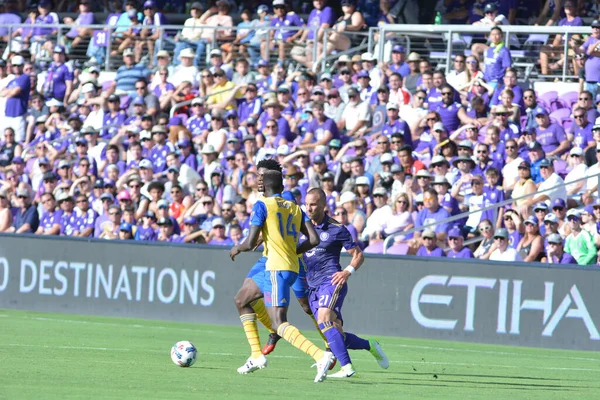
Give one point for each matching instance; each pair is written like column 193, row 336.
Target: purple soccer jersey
column 324, row 260
column 464, row 253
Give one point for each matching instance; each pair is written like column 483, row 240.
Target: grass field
column 56, row 356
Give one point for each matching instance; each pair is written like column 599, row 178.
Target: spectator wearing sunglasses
column 501, row 250
column 456, row 244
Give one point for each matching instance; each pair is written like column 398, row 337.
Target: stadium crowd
column 395, row 145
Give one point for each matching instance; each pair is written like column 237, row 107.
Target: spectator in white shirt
column 502, row 251
column 356, row 117
column 186, row 71
column 551, row 181
column 378, row 220
column 458, row 76
column 578, row 171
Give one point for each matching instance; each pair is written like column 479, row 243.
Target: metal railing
column 163, row 37
column 443, row 41
column 493, row 207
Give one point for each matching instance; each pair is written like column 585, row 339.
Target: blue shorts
column 300, row 287
column 275, row 287
column 328, row 296
column 260, row 266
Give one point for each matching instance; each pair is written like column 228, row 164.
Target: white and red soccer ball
column 184, row 354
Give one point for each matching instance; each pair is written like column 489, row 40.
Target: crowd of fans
column 394, row 145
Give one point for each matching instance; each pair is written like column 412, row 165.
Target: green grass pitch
column 56, row 356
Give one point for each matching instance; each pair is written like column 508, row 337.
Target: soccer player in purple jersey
column 327, row 284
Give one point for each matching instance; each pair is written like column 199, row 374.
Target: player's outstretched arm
column 249, row 244
column 313, row 241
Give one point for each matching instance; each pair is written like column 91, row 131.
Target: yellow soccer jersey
column 280, row 221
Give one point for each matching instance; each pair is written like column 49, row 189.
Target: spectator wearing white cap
column 186, row 71
column 17, row 97
column 378, row 220
column 217, row 234
column 576, row 190
column 282, row 40
column 348, row 201
column 216, row 62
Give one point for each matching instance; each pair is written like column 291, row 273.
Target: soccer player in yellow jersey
column 278, row 221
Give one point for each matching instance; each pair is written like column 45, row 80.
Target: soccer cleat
column 271, row 343
column 347, row 371
column 378, row 353
column 253, row 364
column 333, row 364
column 323, row 366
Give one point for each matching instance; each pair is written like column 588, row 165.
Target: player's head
column 272, row 182
column 316, row 203
column 261, row 167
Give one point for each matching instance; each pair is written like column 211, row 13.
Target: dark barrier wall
column 441, row 299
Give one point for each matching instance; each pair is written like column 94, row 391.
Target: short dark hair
column 269, row 164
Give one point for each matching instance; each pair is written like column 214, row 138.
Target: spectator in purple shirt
column 452, row 113
column 497, row 58
column 592, row 64
column 433, row 213
column 550, row 135
column 456, row 244
column 430, row 247
column 69, row 221
column 581, row 134
column 17, row 97
column 282, row 38
column 50, row 221
column 321, row 130
column 218, row 234
column 85, row 17
column 165, row 227
column 320, row 18
column 59, row 81
column 556, row 253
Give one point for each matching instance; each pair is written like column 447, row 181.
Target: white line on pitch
column 415, row 362
column 75, row 321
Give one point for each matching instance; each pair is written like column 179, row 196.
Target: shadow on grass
column 513, row 385
column 487, row 376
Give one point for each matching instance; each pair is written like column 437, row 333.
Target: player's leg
column 327, row 301
column 300, row 288
column 250, row 292
column 258, row 305
column 277, row 299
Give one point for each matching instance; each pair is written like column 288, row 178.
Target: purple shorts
column 327, row 296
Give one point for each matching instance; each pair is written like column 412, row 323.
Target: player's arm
column 340, row 277
column 313, row 241
column 257, row 220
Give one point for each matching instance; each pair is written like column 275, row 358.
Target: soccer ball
column 184, row 354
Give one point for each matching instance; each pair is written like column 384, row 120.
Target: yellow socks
column 251, row 330
column 261, row 313
column 292, row 335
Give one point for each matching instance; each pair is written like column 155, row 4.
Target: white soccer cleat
column 379, row 355
column 323, row 366
column 347, row 371
column 253, row 364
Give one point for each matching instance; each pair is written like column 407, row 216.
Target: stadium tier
column 462, row 131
